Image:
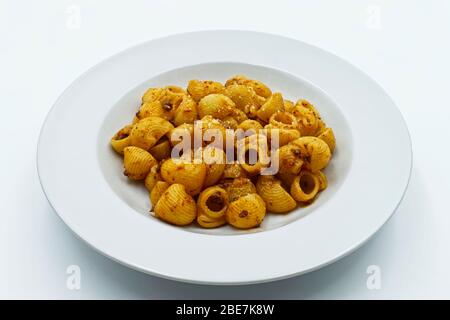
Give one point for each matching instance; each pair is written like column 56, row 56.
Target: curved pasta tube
column 213, row 202
column 152, row 94
column 137, row 163
column 314, row 152
column 161, row 150
column 272, row 105
column 214, row 160
column 238, row 115
column 246, row 212
column 210, row 129
column 155, row 109
column 327, row 135
column 176, row 90
column 217, row 105
column 186, row 111
column 121, row 139
column 190, row 174
column 289, row 159
column 207, row 222
column 245, row 99
column 288, row 105
column 233, row 170
column 152, row 177
column 199, row 89
column 160, row 102
column 323, row 181
column 305, row 187
column 157, row 191
column 308, row 123
column 252, row 154
column 250, row 125
column 240, row 187
column 148, row 131
column 176, row 206
column 177, row 134
column 277, row 199
column 308, row 105
column 283, row 120
column 230, row 123
column 260, row 88
column 286, row 178
column 284, row 135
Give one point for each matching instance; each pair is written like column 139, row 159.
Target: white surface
column 113, row 218
column 407, row 54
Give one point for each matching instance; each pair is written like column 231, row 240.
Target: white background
column 404, row 45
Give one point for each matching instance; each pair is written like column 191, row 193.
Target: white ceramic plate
column 82, row 176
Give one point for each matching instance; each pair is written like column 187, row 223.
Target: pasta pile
column 237, row 192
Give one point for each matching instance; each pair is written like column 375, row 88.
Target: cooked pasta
column 260, row 88
column 121, row 139
column 305, row 186
column 277, row 199
column 152, row 177
column 199, row 89
column 225, row 153
column 246, row 212
column 161, row 150
column 191, row 175
column 217, row 105
column 327, row 135
column 176, row 206
column 272, row 105
column 213, row 202
column 240, row 187
column 137, row 163
column 146, row 133
column 315, row 152
column 157, row 191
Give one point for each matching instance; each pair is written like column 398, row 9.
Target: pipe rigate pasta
column 191, row 175
column 245, row 99
column 152, row 177
column 260, row 88
column 157, row 191
column 290, row 159
column 137, row 163
column 207, row 222
column 186, row 111
column 277, row 199
column 246, row 212
column 146, row 133
column 240, row 187
column 253, row 154
column 272, row 105
column 327, row 135
column 213, row 202
column 161, row 150
column 214, row 160
column 323, row 181
column 283, row 120
column 199, row 89
column 308, row 123
column 121, row 139
column 314, row 152
column 233, row 170
column 305, row 187
column 250, row 125
column 176, row 206
column 284, row 135
column 217, row 105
